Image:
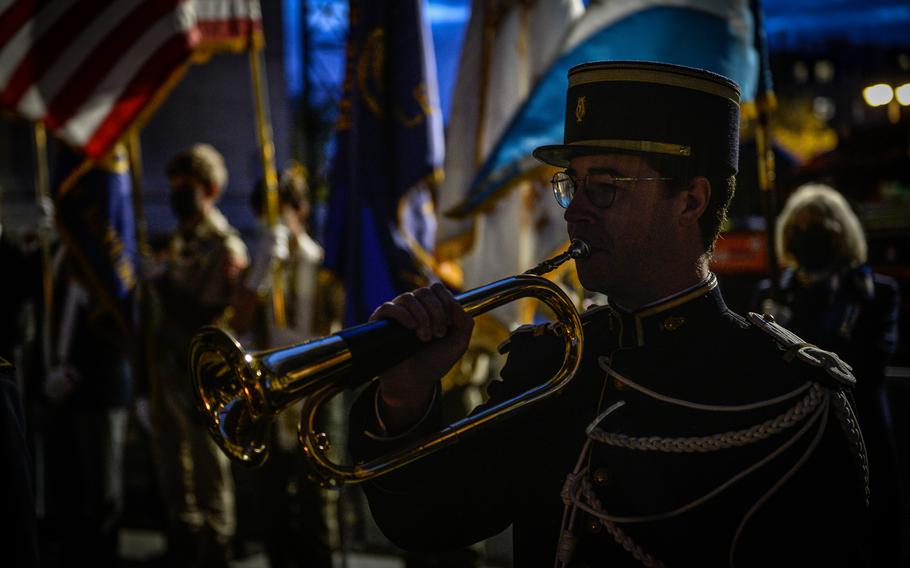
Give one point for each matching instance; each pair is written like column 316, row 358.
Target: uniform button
column 673, row 323
column 594, row 525
column 600, row 476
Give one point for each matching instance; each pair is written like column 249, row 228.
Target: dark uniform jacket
column 18, row 526
column 712, row 446
column 855, row 313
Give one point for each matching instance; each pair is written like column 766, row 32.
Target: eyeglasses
column 600, row 188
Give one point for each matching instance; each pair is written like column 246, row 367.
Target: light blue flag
column 711, row 35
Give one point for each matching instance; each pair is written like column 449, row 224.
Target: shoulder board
column 795, row 348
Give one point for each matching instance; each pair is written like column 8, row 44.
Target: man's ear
column 697, row 195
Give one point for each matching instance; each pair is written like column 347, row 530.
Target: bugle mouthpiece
column 579, row 249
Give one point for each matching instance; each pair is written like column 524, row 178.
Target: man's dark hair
column 722, row 189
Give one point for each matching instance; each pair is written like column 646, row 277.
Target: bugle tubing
column 240, row 393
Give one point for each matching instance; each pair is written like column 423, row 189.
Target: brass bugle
column 240, row 393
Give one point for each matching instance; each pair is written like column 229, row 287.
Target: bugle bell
column 240, row 392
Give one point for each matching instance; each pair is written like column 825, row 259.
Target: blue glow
column 446, row 13
column 293, row 47
column 331, row 20
column 791, row 24
column 448, row 24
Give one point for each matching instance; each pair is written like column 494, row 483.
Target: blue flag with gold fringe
column 389, row 155
column 97, row 226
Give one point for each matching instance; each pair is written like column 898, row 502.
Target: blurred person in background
column 297, row 513
column 195, row 286
column 20, row 539
column 88, row 394
column 21, row 256
column 830, row 296
column 288, row 243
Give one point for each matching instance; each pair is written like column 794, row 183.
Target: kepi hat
column 652, row 108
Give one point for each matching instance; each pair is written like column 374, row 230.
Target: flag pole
column 765, row 102
column 767, row 185
column 145, row 353
column 42, row 193
column 270, row 177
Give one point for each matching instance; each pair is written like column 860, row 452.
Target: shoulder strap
column 795, row 349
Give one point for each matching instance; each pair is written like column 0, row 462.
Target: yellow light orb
column 878, row 95
column 903, row 94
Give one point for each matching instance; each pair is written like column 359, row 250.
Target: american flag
column 91, row 69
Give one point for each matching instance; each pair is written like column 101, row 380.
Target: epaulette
column 796, row 349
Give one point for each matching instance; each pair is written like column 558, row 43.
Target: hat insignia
column 580, row 109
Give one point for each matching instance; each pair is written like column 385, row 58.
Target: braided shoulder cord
column 573, row 481
column 847, row 420
column 578, row 482
column 715, row 442
column 579, row 494
column 621, row 537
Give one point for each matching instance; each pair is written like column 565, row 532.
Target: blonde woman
column 830, row 296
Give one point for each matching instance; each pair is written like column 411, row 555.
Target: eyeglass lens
column 601, row 192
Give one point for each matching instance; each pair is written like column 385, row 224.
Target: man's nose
column 579, row 209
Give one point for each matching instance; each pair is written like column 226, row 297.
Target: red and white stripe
column 87, row 68
column 220, row 20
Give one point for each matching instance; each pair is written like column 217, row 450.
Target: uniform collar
column 663, row 318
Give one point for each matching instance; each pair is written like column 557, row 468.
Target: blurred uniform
column 89, row 392
column 196, row 289
column 297, row 514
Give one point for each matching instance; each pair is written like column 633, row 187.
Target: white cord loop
column 716, row 442
column 578, row 492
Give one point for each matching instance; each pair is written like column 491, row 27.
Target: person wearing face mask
column 196, row 287
column 830, row 296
